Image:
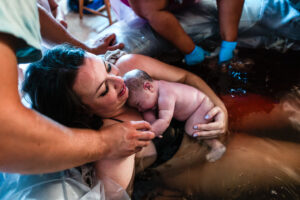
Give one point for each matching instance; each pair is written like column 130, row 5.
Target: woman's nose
column 116, row 80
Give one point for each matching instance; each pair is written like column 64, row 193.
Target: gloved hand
column 196, row 56
column 226, row 52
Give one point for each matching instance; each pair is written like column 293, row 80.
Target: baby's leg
column 217, row 150
column 198, row 116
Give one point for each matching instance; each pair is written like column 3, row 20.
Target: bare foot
column 215, row 154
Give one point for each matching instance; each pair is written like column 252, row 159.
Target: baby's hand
column 157, row 133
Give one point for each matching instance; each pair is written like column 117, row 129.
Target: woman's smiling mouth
column 123, row 91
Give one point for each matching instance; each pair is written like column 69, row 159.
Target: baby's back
column 187, row 98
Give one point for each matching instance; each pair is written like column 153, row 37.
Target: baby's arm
column 149, row 116
column 166, row 105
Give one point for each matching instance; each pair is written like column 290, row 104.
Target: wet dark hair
column 135, row 79
column 48, row 85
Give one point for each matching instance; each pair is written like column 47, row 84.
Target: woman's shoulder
column 129, row 114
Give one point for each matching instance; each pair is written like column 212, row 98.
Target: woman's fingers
column 210, row 126
column 207, row 134
column 212, row 129
column 211, row 114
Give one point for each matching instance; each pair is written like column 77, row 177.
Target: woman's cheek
column 112, row 98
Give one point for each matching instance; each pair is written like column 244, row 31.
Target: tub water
column 261, row 91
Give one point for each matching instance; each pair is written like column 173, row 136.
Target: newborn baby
column 168, row 100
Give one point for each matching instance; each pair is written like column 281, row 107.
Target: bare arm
column 165, row 114
column 57, row 12
column 149, row 116
column 54, row 33
column 229, row 17
column 170, row 73
column 32, row 143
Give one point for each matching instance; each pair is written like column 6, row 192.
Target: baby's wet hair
column 135, row 79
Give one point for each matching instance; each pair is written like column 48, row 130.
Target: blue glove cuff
column 195, row 51
column 228, row 45
column 196, row 56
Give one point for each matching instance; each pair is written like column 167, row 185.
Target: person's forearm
column 174, row 74
column 229, row 17
column 54, row 33
column 31, row 143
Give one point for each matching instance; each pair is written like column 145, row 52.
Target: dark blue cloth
column 92, row 4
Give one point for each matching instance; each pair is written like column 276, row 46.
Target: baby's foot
column 215, row 154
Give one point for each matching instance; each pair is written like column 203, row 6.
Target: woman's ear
column 148, row 86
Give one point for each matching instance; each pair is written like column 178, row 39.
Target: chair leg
column 80, row 2
column 107, row 7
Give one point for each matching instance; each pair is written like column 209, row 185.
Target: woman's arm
column 162, row 71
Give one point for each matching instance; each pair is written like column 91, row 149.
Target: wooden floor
column 88, row 27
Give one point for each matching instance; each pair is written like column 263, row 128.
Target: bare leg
column 229, row 18
column 198, row 116
column 250, row 164
column 217, row 149
column 163, row 22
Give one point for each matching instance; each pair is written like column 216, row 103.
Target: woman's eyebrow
column 104, row 64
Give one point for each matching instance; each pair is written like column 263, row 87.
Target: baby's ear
column 148, row 86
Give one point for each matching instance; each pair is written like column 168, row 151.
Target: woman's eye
column 105, row 92
column 108, row 67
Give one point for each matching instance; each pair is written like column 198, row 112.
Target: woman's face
column 99, row 87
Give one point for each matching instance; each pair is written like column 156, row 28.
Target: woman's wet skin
column 100, row 88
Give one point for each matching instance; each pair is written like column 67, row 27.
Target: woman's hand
column 213, row 129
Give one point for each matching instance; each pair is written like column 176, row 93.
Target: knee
column 147, row 14
column 146, row 10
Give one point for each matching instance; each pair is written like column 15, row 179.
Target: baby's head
column 142, row 90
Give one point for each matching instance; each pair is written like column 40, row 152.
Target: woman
column 79, row 91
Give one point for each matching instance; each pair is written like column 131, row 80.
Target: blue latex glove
column 226, row 52
column 197, row 56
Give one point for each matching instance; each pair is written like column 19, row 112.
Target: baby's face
column 142, row 100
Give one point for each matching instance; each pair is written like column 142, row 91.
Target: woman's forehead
column 90, row 74
column 92, row 66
